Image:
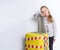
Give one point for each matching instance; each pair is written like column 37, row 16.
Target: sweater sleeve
column 54, row 29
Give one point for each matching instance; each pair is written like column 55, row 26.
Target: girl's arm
column 54, row 29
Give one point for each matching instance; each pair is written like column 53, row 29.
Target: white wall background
column 16, row 21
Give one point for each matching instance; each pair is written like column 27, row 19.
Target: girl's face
column 44, row 12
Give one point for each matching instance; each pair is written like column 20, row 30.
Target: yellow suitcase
column 36, row 41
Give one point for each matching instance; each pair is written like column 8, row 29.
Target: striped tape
column 45, row 38
column 26, row 49
column 36, row 38
column 46, row 44
column 33, row 46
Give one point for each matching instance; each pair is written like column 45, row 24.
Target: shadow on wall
column 23, row 45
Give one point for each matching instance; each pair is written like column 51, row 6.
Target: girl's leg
column 51, row 43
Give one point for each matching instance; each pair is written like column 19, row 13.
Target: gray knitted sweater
column 45, row 27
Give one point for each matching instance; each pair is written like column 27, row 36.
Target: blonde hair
column 50, row 19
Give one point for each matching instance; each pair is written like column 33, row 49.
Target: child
column 46, row 24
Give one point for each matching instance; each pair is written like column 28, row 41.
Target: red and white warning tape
column 36, row 38
column 33, row 46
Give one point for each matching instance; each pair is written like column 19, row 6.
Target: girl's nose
column 44, row 13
